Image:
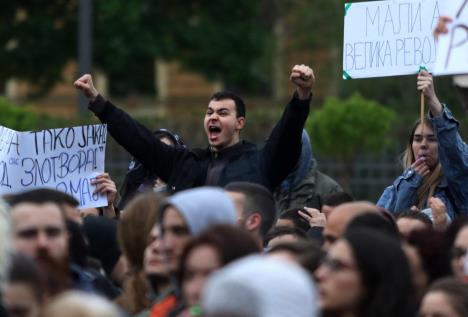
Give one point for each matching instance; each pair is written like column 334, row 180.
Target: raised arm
column 452, row 150
column 283, row 148
column 138, row 140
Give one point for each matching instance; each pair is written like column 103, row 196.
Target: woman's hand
column 420, row 167
column 426, row 85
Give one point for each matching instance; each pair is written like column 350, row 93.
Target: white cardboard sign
column 65, row 159
column 389, row 38
column 452, row 50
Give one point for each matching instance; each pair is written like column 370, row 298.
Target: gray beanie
column 203, row 207
column 258, row 286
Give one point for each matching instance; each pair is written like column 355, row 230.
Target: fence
column 371, row 173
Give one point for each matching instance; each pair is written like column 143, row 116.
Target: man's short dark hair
column 282, row 231
column 293, row 215
column 416, row 215
column 41, row 196
column 240, row 105
column 336, row 199
column 257, row 199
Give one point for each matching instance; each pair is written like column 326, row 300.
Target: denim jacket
column 452, row 189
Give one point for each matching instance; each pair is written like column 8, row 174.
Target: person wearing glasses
column 366, row 274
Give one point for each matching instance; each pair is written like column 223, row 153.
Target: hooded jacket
column 306, row 186
column 202, row 207
column 258, row 286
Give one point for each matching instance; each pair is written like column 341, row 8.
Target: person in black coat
column 227, row 158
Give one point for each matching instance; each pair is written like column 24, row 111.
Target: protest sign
column 389, row 38
column 65, row 159
column 452, row 50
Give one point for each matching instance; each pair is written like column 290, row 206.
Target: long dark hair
column 385, row 273
column 231, row 243
column 456, row 291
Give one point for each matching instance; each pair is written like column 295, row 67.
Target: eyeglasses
column 335, row 265
column 458, row 252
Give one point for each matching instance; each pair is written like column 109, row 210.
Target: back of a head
column 259, row 286
column 293, row 215
column 285, row 230
column 417, row 215
column 376, row 222
column 385, row 274
column 257, row 199
column 40, row 196
column 202, row 207
column 308, row 253
column 230, row 243
column 79, row 304
column 102, row 237
column 135, row 224
column 434, row 254
column 344, row 213
column 456, row 291
column 24, row 270
column 336, row 199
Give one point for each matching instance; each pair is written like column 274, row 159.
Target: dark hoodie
column 306, row 185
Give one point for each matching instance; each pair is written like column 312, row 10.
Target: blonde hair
column 430, row 182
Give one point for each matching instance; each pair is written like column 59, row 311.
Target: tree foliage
column 37, row 38
column 26, row 119
column 344, row 129
column 223, row 41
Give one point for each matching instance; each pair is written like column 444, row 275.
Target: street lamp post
column 84, row 46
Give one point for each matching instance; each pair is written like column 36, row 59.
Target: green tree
column 25, row 118
column 222, row 40
column 345, row 129
column 36, row 40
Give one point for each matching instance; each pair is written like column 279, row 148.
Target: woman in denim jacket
column 435, row 161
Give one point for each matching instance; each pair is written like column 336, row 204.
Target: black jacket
column 182, row 168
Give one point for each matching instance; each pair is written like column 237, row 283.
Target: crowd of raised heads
column 244, row 230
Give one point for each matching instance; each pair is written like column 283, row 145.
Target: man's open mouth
column 214, row 129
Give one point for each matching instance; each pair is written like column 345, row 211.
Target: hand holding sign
column 85, row 84
column 426, row 86
column 441, row 27
column 105, row 186
column 452, row 48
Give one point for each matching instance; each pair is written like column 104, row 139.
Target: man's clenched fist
column 85, row 83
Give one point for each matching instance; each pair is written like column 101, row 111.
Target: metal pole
column 84, row 47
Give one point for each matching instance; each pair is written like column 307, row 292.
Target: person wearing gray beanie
column 188, row 213
column 258, row 286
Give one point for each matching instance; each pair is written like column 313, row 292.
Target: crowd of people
column 233, row 230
